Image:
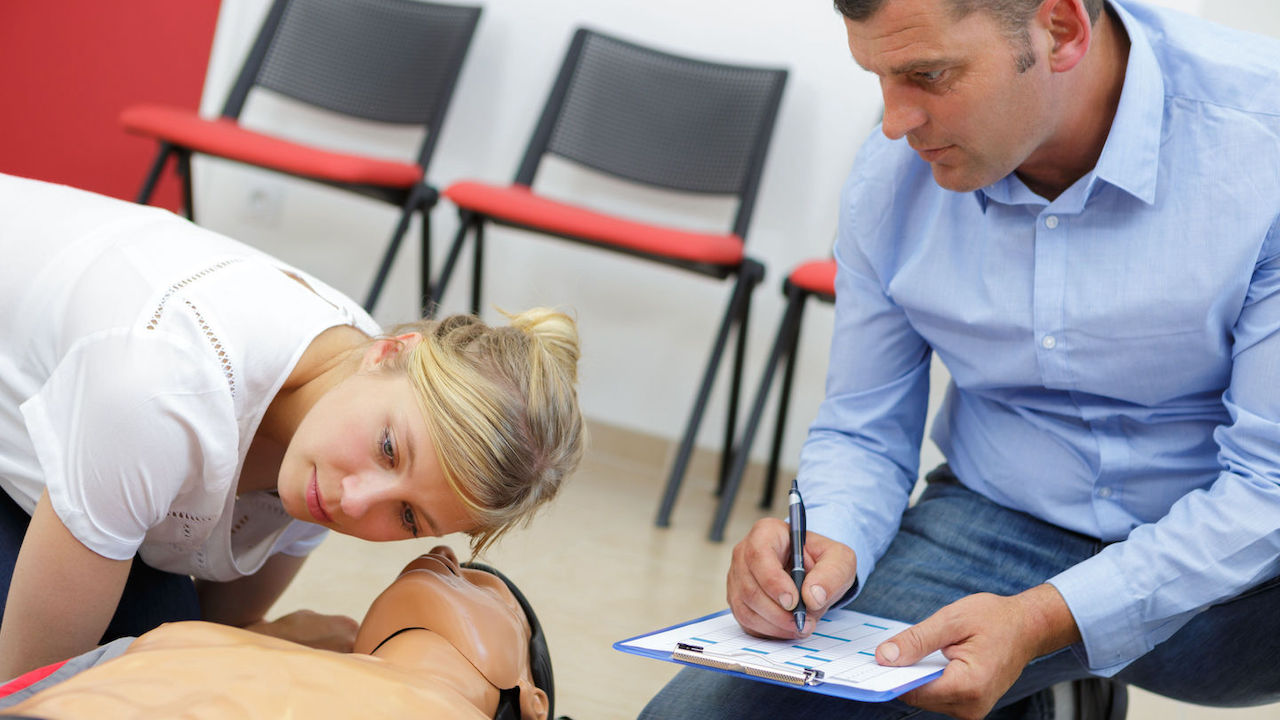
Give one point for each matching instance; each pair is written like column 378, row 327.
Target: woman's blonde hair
column 502, row 407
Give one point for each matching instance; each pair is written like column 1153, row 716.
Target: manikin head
column 461, row 622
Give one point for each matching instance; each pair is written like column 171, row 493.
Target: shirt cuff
column 834, row 525
column 1096, row 593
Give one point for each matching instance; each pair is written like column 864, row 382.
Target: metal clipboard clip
column 696, row 655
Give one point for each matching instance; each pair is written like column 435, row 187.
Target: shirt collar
column 1130, row 158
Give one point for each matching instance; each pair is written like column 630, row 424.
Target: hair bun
column 555, row 332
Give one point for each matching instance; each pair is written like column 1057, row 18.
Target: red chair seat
column 225, row 138
column 818, row 276
column 518, row 205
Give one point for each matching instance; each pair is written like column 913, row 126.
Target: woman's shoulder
column 120, row 429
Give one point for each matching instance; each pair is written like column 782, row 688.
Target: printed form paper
column 843, row 647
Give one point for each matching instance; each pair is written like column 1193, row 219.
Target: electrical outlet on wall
column 263, row 203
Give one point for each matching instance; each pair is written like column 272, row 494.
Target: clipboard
column 838, row 659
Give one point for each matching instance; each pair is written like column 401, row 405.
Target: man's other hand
column 988, row 639
column 761, row 592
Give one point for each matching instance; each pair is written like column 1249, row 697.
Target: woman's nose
column 363, row 491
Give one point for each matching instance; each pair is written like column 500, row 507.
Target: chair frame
column 785, row 345
column 749, row 272
column 421, row 197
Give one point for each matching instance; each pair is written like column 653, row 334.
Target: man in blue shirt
column 1075, row 205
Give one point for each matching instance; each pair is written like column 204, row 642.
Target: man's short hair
column 1013, row 16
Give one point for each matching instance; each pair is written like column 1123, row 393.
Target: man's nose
column 901, row 113
column 366, row 490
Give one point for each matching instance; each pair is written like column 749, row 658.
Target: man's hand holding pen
column 761, row 591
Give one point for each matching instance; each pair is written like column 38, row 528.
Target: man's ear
column 1070, row 32
column 533, row 702
column 384, row 349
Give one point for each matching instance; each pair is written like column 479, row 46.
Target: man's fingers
column 912, row 644
column 761, row 592
column 830, row 574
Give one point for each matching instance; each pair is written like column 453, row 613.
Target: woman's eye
column 409, row 519
column 388, row 446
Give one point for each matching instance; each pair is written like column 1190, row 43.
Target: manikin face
column 363, row 462
column 467, row 624
column 952, row 88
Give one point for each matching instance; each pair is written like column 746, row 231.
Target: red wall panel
column 68, row 67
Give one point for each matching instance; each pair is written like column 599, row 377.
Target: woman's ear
column 384, row 349
column 533, row 702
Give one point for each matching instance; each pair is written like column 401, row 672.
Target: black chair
column 660, row 120
column 387, row 61
column 811, row 279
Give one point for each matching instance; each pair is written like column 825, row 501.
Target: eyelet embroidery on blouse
column 239, row 523
column 223, row 358
column 164, row 299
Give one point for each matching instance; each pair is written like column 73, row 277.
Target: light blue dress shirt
column 1115, row 353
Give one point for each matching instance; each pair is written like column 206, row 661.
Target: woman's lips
column 315, row 503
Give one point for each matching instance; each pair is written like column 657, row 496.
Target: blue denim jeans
column 954, row 542
column 151, row 597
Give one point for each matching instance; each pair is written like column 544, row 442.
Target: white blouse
column 138, row 354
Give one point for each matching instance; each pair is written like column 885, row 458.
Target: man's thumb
column 908, row 646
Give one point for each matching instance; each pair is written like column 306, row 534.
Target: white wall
column 644, row 347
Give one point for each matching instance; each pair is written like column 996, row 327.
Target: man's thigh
column 952, row 543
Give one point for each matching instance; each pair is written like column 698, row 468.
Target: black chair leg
column 184, row 173
column 412, row 203
column 748, row 276
column 477, row 270
column 798, row 298
column 735, row 392
column 153, row 175
column 424, row 276
column 465, row 221
column 742, row 452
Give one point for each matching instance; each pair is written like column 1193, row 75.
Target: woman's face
column 363, row 461
column 471, row 610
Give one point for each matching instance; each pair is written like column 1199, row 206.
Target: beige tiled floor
column 598, row 571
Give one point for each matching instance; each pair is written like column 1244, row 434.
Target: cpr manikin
column 443, row 641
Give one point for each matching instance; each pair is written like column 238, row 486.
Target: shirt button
column 1051, row 222
column 1049, row 342
column 1104, row 492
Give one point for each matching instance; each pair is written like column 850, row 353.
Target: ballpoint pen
column 795, row 514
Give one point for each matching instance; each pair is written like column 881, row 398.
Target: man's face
column 953, row 89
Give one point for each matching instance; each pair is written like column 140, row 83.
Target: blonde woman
column 175, row 405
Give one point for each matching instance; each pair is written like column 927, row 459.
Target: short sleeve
column 128, row 421
column 300, row 538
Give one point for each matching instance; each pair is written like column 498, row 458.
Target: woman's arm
column 61, row 599
column 245, row 602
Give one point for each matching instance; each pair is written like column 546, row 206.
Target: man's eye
column 930, row 77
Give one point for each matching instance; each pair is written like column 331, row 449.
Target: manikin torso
column 443, row 640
